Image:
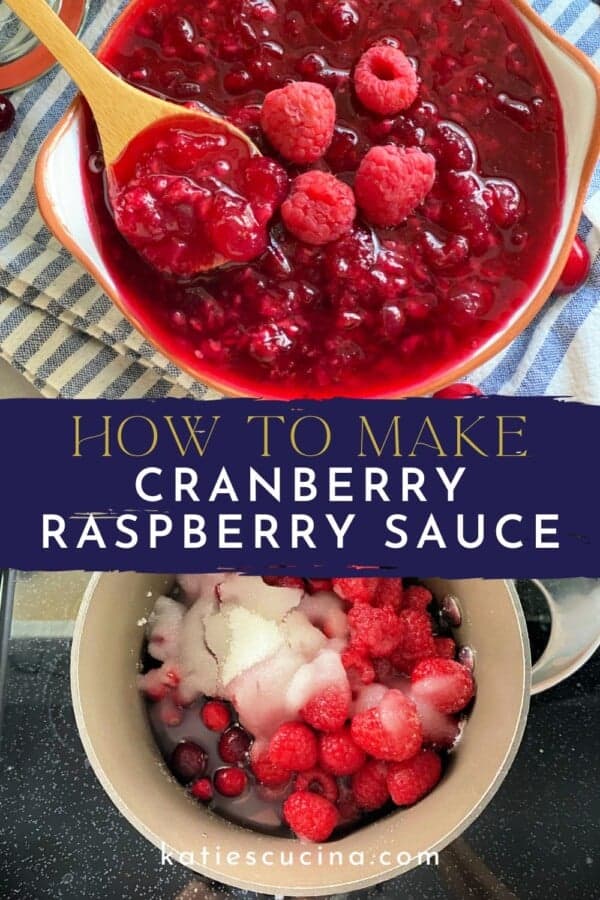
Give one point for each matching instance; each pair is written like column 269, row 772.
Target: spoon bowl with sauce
column 187, row 189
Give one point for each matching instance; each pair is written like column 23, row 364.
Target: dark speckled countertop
column 60, row 836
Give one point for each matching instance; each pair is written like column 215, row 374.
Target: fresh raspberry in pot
column 355, row 590
column 389, row 592
column 298, row 120
column 417, row 640
column 385, row 81
column 319, row 782
column 369, row 785
column 358, row 666
column 216, row 715
column 319, row 584
column 294, row 747
column 268, row 773
column 445, row 647
column 319, row 208
column 443, row 683
column 327, row 710
column 310, row 816
column 390, row 731
column 284, row 581
column 410, row 780
column 417, row 597
column 375, row 631
column 339, row 754
column 392, row 182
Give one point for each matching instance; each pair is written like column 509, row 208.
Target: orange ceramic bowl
column 61, row 197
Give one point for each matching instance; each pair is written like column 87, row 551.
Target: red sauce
column 380, row 309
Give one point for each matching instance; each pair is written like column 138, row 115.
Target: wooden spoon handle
column 90, row 76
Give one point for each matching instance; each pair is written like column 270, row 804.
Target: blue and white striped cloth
column 58, row 328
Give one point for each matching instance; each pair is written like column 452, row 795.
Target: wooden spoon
column 120, row 110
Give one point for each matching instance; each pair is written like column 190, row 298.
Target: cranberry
column 238, row 81
column 233, row 228
column 458, row 391
column 202, row 790
column 188, row 761
column 266, row 182
column 179, row 37
column 393, row 320
column 506, row 204
column 342, row 19
column 234, row 744
column 216, row 715
column 311, row 66
column 231, row 782
column 453, row 147
column 464, row 304
column 445, row 254
column 7, row 113
column 577, row 268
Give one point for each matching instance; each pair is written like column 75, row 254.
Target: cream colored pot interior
column 114, row 729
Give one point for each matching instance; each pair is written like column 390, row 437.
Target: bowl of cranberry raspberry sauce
column 273, row 716
column 411, row 209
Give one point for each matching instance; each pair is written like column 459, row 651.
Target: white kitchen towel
column 62, row 332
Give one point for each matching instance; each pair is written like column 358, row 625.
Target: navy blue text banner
column 490, row 487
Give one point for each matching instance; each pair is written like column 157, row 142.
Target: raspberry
column 298, row 120
column 417, row 640
column 284, row 581
column 216, row 715
column 417, row 597
column 389, row 592
column 231, row 782
column 355, row 590
column 358, row 664
column 267, row 773
column 234, row 744
column 319, row 208
column 445, row 647
column 339, row 754
column 319, row 782
column 410, row 780
column 202, row 789
column 327, row 710
column 188, row 761
column 310, row 816
column 444, row 683
column 390, row 731
column 374, row 631
column 392, row 182
column 294, row 747
column 319, row 584
column 369, row 785
column 385, row 81
column 458, row 391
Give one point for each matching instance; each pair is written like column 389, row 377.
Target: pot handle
column 574, row 606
